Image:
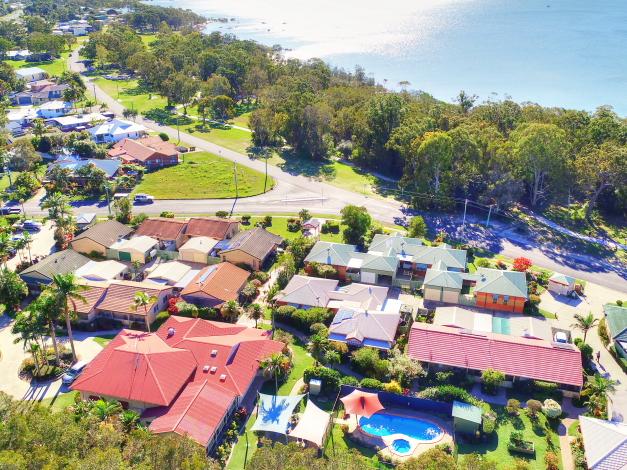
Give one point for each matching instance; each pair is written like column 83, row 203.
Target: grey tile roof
column 61, row 262
column 336, row 254
column 257, row 242
column 605, row 443
column 106, row 233
column 496, row 281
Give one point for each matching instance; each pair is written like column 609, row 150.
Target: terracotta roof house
column 496, row 289
column 169, row 232
column 86, row 311
column 61, row 262
column 215, row 285
column 605, row 443
column 149, row 151
column 187, row 378
column 358, row 327
column 517, row 357
column 616, row 318
column 117, row 303
column 251, row 247
column 218, row 229
column 100, row 237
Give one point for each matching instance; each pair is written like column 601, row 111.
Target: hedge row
column 302, row 319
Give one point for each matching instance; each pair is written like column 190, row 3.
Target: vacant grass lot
column 53, row 67
column 202, row 176
column 228, row 137
column 130, row 95
column 496, row 449
column 279, row 227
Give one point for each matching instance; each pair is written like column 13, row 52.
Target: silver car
column 73, row 372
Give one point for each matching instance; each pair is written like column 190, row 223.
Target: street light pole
column 108, row 200
column 235, row 177
column 487, row 224
column 464, row 221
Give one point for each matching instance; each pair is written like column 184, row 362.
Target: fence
column 389, row 399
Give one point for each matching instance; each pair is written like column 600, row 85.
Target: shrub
column 187, row 310
column 482, row 263
column 551, row 408
column 448, row 394
column 603, row 333
column 163, row 136
column 444, row 376
column 317, row 328
column 302, row 319
column 249, row 292
column 371, row 383
column 350, row 380
column 488, row 423
column 160, row 319
column 393, row 387
column 293, row 225
column 222, row 214
column 513, row 406
column 491, row 379
column 260, row 276
column 367, row 362
column 341, row 348
column 534, row 300
column 522, row 264
column 534, row 407
column 619, row 303
column 585, row 348
column 246, row 219
column 283, row 337
column 330, row 226
column 266, row 221
column 551, row 461
column 330, row 378
column 167, row 214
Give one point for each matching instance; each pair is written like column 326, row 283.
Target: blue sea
column 570, row 53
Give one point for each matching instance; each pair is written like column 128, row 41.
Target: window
column 505, row 299
column 495, row 298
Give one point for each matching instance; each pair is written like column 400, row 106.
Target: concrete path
column 42, row 245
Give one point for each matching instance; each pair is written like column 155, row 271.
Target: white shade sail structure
column 312, row 425
column 275, row 412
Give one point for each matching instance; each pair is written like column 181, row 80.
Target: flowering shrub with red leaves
column 522, row 264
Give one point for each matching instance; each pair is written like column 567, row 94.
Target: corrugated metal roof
column 605, row 443
column 257, row 242
column 61, row 262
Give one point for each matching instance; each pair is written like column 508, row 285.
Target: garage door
column 124, row 256
column 368, row 278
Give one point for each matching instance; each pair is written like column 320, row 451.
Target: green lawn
column 338, row 440
column 203, row 176
column 130, row 95
column 279, row 227
column 59, row 402
column 148, row 38
column 241, row 120
column 225, row 136
column 496, row 448
column 104, row 339
column 53, row 67
column 301, row 361
column 573, row 429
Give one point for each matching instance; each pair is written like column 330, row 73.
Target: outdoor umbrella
column 362, row 403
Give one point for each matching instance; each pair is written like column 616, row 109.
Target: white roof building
column 31, row 74
column 116, row 130
column 605, row 443
column 169, row 273
column 101, row 270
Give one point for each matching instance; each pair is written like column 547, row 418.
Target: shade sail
column 313, row 425
column 275, row 412
column 362, row 403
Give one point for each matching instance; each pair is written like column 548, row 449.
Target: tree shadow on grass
column 165, row 116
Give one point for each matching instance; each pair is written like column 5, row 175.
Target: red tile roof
column 197, row 412
column 515, row 356
column 209, row 227
column 222, row 281
column 92, row 296
column 174, row 373
column 137, row 366
column 119, row 297
column 142, row 149
column 161, row 228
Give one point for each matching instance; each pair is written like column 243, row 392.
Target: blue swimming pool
column 382, row 424
column 401, row 446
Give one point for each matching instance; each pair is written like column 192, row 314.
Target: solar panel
column 204, row 277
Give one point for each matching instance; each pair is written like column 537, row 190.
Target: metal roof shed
column 466, row 417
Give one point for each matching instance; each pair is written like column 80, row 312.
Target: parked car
column 9, row 210
column 144, row 199
column 73, row 372
column 31, row 226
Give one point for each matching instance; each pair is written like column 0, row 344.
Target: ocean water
column 570, row 53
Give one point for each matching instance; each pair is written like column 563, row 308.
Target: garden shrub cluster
column 331, row 379
column 302, row 319
column 448, row 394
column 330, row 226
column 367, row 362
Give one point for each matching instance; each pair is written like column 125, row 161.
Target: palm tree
column 597, row 389
column 30, row 330
column 142, row 299
column 58, row 206
column 46, row 308
column 584, row 323
column 273, row 366
column 5, row 247
column 255, row 312
column 19, row 246
column 39, row 127
column 104, row 409
column 28, row 239
column 129, row 420
column 67, row 290
column 318, row 346
column 230, row 310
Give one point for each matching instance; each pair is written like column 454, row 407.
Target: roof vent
column 214, row 369
column 214, row 352
column 222, row 377
column 205, row 369
column 171, row 332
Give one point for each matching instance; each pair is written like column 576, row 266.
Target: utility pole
column 235, row 177
column 487, row 223
column 178, row 129
column 465, row 206
column 95, row 97
column 265, row 182
column 106, row 186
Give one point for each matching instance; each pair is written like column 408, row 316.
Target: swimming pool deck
column 383, row 444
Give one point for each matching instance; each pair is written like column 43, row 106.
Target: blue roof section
column 222, row 245
column 376, row 343
column 337, row 337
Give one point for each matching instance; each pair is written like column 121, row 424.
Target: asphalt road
column 293, row 192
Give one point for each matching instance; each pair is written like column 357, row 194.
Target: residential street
column 293, row 192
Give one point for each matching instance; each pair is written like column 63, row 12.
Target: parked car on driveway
column 73, row 372
column 31, row 226
column 9, row 210
column 144, row 199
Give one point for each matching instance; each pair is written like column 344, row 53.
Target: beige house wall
column 238, row 256
column 193, row 256
column 87, row 245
